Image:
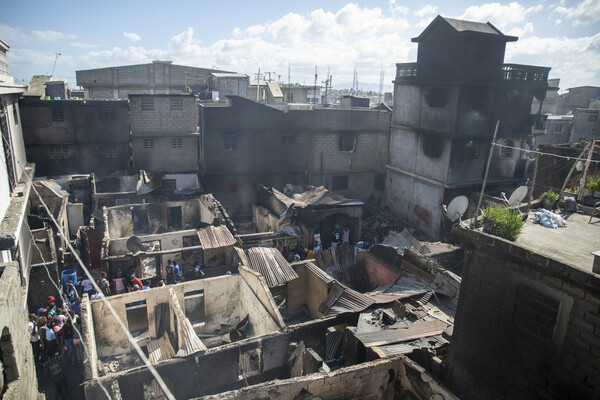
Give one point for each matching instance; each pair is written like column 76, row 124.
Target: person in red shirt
column 135, row 281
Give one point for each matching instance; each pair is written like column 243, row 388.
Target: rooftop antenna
column 55, row 59
column 326, row 82
column 354, row 82
column 289, row 76
column 381, row 76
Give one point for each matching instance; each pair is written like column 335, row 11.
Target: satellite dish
column 134, row 244
column 457, row 208
column 517, row 196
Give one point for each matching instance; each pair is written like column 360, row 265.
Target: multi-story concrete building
column 158, row 77
column 446, row 106
column 577, row 97
column 229, row 84
column 16, row 359
column 164, row 133
column 247, row 143
column 586, row 124
column 70, row 137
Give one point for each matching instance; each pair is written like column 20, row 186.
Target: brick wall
column 527, row 326
column 171, row 153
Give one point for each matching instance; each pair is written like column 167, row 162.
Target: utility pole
column 535, row 170
column 257, row 84
column 289, row 76
column 487, row 170
column 315, row 93
column 326, row 82
column 585, row 171
column 381, row 76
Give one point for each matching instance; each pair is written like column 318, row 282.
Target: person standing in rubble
column 346, row 236
column 170, row 270
column 317, row 237
column 119, row 282
column 335, row 236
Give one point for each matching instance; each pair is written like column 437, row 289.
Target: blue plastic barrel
column 68, row 275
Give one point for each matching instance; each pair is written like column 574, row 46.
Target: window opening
column 194, row 306
column 471, row 150
column 347, row 143
column 58, row 114
column 139, row 217
column 137, row 317
column 339, row 182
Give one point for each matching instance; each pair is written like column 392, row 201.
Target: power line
column 137, row 348
column 69, row 315
column 568, row 158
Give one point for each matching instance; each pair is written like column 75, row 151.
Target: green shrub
column 550, row 196
column 503, row 222
column 593, row 182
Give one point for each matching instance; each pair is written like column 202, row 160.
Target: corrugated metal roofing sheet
column 402, row 240
column 213, row 237
column 404, row 334
column 53, row 186
column 269, row 262
column 318, row 272
column 316, row 196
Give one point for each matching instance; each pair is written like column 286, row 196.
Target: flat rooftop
column 571, row 245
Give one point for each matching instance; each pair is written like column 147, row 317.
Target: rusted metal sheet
column 213, row 237
column 315, row 196
column 271, row 265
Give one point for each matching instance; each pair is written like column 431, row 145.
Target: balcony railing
column 527, row 74
column 406, row 71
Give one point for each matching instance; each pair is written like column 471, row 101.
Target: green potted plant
column 591, row 185
column 503, row 222
column 549, row 200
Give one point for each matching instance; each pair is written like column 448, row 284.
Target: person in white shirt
column 88, row 286
column 317, row 237
column 34, row 338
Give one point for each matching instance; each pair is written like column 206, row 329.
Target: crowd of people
column 298, row 252
column 55, row 341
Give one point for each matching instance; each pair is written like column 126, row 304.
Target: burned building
column 146, row 236
column 246, row 143
column 164, row 133
column 528, row 318
column 66, row 137
column 306, row 210
column 158, row 77
column 446, row 106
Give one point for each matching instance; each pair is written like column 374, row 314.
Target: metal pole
column 562, row 189
column 487, row 170
column 258, row 84
column 585, row 171
column 535, row 170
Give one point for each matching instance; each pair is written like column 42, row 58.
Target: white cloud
column 50, row 36
column 426, row 10
column 586, row 12
column 576, row 61
column 134, row 37
column 500, row 15
column 83, row 45
column 397, row 9
column 12, row 35
column 520, row 31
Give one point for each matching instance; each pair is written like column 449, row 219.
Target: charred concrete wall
column 249, row 143
column 526, row 326
column 172, row 153
column 17, row 358
column 70, row 136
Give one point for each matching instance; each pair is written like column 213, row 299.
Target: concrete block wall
column 165, row 155
column 163, row 119
column 17, row 357
column 527, row 326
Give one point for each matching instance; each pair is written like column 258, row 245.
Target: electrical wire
column 68, row 315
column 109, row 306
column 568, row 158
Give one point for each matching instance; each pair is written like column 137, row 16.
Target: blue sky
column 243, row 36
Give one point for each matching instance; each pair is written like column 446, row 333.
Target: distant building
column 445, row 110
column 268, row 92
column 158, row 77
column 295, row 93
column 586, row 124
column 558, row 130
column 229, row 84
column 548, row 105
column 577, row 97
column 354, row 101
